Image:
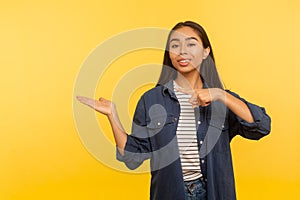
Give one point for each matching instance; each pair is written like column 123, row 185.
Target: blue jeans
column 194, row 190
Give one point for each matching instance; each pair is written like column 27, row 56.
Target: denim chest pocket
column 162, row 130
column 159, row 122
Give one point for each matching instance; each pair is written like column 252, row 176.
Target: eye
column 173, row 46
column 191, row 44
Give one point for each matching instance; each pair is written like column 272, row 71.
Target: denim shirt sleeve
column 138, row 145
column 256, row 130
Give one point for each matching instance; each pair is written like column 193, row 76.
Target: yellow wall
column 44, row 43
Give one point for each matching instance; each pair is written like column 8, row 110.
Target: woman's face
column 186, row 50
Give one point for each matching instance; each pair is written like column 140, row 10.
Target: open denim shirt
column 154, row 137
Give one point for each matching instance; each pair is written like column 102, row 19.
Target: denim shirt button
column 201, row 142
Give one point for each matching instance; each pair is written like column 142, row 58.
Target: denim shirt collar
column 169, row 88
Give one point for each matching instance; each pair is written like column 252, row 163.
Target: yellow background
column 44, row 43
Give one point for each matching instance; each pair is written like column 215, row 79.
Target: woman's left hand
column 203, row 97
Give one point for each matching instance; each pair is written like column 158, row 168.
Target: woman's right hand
column 102, row 105
column 108, row 108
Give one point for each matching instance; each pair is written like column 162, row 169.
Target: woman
column 185, row 124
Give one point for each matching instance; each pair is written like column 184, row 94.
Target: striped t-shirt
column 187, row 138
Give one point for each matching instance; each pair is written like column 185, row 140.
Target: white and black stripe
column 187, row 138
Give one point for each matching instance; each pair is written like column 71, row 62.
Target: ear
column 206, row 52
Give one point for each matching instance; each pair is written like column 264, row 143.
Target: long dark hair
column 208, row 69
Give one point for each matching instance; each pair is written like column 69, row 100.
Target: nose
column 183, row 50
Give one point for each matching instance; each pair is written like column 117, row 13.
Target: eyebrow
column 189, row 38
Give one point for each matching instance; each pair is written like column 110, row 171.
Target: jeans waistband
column 201, row 180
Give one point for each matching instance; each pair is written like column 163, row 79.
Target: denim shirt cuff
column 258, row 114
column 127, row 149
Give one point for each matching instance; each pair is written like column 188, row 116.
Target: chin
column 187, row 69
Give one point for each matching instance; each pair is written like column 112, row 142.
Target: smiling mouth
column 184, row 62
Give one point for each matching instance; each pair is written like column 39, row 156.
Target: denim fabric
column 153, row 137
column 195, row 190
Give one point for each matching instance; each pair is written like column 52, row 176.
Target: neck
column 189, row 80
